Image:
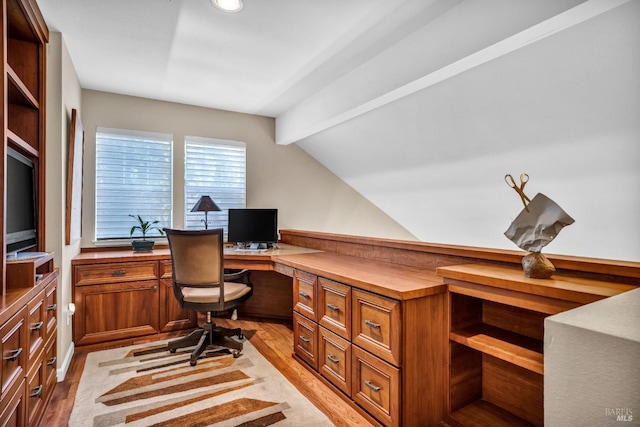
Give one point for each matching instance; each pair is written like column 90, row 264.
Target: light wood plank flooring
column 273, row 340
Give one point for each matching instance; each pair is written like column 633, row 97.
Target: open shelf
column 19, row 93
column 505, row 345
column 483, row 413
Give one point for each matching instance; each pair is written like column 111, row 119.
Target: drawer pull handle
column 52, row 307
column 372, row 387
column 52, row 361
column 119, row 273
column 304, row 339
column 371, row 324
column 333, row 307
column 36, row 391
column 37, row 326
column 14, row 355
column 333, row 359
column 303, row 294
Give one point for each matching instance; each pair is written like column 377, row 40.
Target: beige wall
column 63, row 94
column 306, row 194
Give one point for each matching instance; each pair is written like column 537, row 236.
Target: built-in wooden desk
column 121, row 294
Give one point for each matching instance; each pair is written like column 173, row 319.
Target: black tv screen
column 21, row 203
column 253, row 225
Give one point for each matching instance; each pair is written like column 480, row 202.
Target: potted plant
column 143, row 245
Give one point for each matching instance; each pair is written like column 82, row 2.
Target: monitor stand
column 252, row 247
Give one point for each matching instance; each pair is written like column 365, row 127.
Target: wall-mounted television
column 253, row 228
column 20, row 210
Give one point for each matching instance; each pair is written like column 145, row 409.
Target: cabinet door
column 115, row 311
column 13, row 412
column 172, row 316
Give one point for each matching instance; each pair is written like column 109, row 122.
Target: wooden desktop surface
column 392, row 280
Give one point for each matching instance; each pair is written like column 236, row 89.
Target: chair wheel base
column 236, row 354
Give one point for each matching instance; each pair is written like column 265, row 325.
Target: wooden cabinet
column 496, row 340
column 384, row 355
column 28, row 343
column 125, row 299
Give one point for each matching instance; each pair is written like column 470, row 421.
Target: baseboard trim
column 62, row 370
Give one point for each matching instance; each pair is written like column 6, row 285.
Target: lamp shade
column 205, row 204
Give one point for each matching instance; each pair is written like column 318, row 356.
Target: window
column 133, row 176
column 216, row 168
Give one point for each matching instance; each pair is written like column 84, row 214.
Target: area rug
column 145, row 385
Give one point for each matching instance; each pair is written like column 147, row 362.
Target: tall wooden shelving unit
column 28, row 306
column 25, row 35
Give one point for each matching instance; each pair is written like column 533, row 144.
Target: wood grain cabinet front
column 13, row 336
column 304, row 294
column 376, row 386
column 377, row 325
column 334, row 307
column 116, row 272
column 305, row 337
column 114, row 311
column 334, row 359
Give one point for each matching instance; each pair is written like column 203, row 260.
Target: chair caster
column 241, row 336
column 193, row 362
column 236, row 354
column 172, row 350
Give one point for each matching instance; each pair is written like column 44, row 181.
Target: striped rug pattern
column 146, row 385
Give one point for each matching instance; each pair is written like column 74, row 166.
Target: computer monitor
column 253, row 228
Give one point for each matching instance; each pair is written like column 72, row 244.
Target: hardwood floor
column 273, row 340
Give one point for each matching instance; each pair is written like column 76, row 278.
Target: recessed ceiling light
column 228, row 5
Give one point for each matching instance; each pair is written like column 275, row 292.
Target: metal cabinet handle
column 304, row 339
column 52, row 307
column 118, row 273
column 371, row 324
column 333, row 307
column 37, row 326
column 303, row 294
column 36, row 391
column 52, row 361
column 333, row 359
column 14, row 355
column 372, row 387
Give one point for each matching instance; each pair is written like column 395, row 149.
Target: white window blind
column 133, row 176
column 216, row 168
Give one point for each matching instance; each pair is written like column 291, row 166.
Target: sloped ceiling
column 420, row 105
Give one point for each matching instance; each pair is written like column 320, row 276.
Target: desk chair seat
column 200, row 283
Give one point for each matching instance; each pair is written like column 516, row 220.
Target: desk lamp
column 205, row 204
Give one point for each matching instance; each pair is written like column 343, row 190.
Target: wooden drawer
column 377, row 325
column 305, row 339
column 51, row 309
column 116, row 272
column 35, row 393
column 50, row 374
column 334, row 359
column 13, row 336
column 304, row 294
column 334, row 307
column 376, row 387
column 36, row 328
column 12, row 409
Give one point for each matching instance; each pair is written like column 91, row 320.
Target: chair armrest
column 237, row 276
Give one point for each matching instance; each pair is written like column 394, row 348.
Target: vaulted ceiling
column 420, row 105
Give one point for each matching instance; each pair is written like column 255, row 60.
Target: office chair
column 199, row 283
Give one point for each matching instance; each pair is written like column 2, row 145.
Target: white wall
column 591, row 364
column 306, row 194
column 564, row 108
column 63, row 94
